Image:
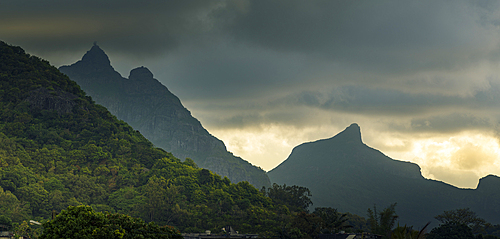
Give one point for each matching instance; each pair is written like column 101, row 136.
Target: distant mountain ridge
column 148, row 106
column 344, row 173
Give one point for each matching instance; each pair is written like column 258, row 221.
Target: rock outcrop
column 58, row 100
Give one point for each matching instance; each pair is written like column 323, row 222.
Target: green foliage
column 382, row 222
column 82, row 222
column 296, row 198
column 5, row 223
column 407, row 232
column 451, row 230
column 28, row 230
column 332, row 220
column 463, row 216
column 11, row 207
column 357, row 223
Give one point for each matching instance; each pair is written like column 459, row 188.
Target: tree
column 161, row 199
column 28, row 231
column 382, row 222
column 451, row 230
column 6, row 222
column 308, row 225
column 332, row 220
column 405, row 232
column 296, row 198
column 81, row 222
column 463, row 216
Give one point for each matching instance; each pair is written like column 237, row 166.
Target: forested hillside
column 59, row 148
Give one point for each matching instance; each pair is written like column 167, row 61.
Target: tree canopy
column 462, row 216
column 382, row 222
column 451, row 230
column 296, row 198
column 81, row 222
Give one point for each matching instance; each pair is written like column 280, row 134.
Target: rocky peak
column 489, row 183
column 140, row 73
column 351, row 134
column 97, row 57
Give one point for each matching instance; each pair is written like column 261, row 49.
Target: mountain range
column 149, row 107
column 344, row 173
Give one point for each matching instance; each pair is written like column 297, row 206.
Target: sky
column 421, row 78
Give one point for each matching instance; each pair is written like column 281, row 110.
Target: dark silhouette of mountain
column 344, row 173
column 148, row 106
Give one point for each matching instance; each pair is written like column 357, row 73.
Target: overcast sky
column 421, row 78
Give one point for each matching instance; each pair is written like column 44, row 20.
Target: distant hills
column 344, row 173
column 149, row 107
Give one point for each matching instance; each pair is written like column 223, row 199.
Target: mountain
column 344, row 173
column 58, row 149
column 148, row 106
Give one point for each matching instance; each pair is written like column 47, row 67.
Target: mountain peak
column 489, row 183
column 140, row 73
column 351, row 134
column 96, row 56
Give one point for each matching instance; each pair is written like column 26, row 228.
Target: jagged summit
column 94, row 62
column 96, row 56
column 350, row 134
column 489, row 183
column 140, row 73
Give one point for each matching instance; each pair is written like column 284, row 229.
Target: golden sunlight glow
column 456, row 159
column 269, row 145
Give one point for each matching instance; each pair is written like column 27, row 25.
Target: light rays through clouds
column 421, row 78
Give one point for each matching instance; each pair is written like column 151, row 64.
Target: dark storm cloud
column 380, row 58
column 384, row 35
column 374, row 101
column 427, row 112
column 129, row 27
column 447, row 123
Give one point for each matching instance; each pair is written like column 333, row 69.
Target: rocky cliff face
column 51, row 99
column 148, row 106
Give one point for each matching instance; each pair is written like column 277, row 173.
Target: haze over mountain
column 344, row 173
column 148, row 106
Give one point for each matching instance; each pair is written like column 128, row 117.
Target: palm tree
column 332, row 220
column 382, row 222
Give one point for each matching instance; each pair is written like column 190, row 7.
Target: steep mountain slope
column 58, row 148
column 343, row 172
column 148, row 106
